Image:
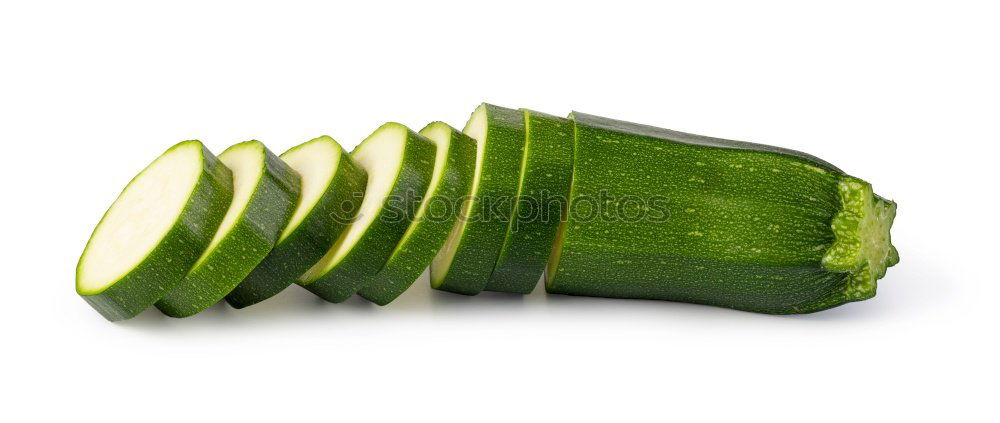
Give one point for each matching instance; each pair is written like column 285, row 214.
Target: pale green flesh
column 381, row 156
column 316, row 162
column 326, row 180
column 863, row 245
column 475, row 129
column 141, row 216
column 553, row 263
column 441, row 136
column 246, row 161
column 450, row 178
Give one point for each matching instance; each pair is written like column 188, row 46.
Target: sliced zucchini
column 154, row 232
column 399, row 163
column 465, row 262
column 265, row 191
column 332, row 188
column 546, row 170
column 660, row 214
column 454, row 166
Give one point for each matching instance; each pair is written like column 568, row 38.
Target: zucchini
column 660, row 214
column 332, row 188
column 546, row 170
column 454, row 166
column 399, row 163
column 598, row 207
column 265, row 191
column 154, row 231
column 465, row 262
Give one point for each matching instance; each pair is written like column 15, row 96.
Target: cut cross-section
column 332, row 188
column 155, row 231
column 399, row 163
column 454, row 166
column 466, row 261
column 265, row 191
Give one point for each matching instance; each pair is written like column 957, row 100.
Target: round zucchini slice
column 546, row 171
column 399, row 163
column 265, row 191
column 454, row 166
column 465, row 262
column 154, row 232
column 332, row 186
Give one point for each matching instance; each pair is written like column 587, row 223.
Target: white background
column 902, row 94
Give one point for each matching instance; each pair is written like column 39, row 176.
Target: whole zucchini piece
column 660, row 214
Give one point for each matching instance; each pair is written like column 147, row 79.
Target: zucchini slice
column 399, row 163
column 454, row 166
column 154, row 232
column 546, row 170
column 331, row 191
column 265, row 191
column 465, row 262
column 660, row 214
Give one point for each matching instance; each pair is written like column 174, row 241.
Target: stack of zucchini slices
column 601, row 207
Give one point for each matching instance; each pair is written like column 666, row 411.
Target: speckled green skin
column 247, row 243
column 546, row 170
column 295, row 254
column 431, row 224
column 377, row 243
column 179, row 249
column 746, row 226
column 486, row 224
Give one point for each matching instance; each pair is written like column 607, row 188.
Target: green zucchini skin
column 546, row 170
column 743, row 226
column 480, row 232
column 358, row 267
column 244, row 246
column 182, row 245
column 297, row 252
column 432, row 222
